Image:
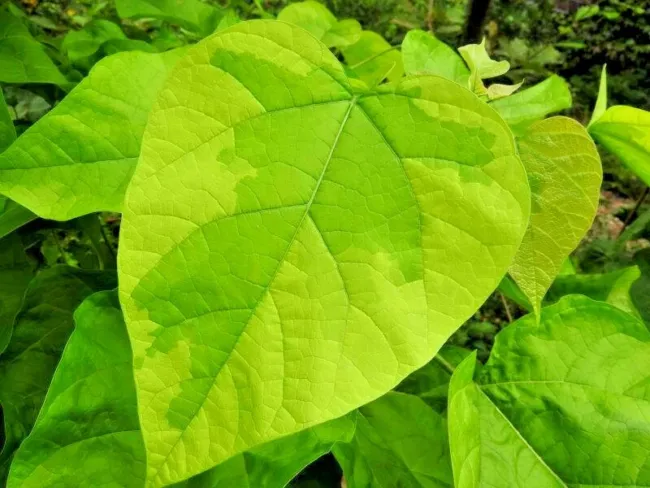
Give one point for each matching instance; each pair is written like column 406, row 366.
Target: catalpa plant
column 308, row 214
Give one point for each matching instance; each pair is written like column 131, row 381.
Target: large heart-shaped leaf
column 563, row 403
column 79, row 157
column 565, row 173
column 292, row 249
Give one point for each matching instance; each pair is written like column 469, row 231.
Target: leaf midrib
column 308, row 205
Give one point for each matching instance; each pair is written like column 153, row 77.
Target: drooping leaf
column 22, row 58
column 319, row 21
column 80, row 45
column 7, row 129
column 87, row 432
column 601, row 101
column 372, row 59
column 613, row 287
column 372, row 241
column 15, row 274
column 79, row 157
column 625, row 132
column 399, row 441
column 194, row 15
column 424, row 53
column 497, row 91
column 40, row 332
column 511, row 290
column 431, row 381
column 565, row 174
column 534, row 103
column 563, row 403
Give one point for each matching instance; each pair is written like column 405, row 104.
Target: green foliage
column 40, row 332
column 306, row 212
column 424, row 53
column 316, row 220
column 49, row 170
column 22, row 58
column 539, row 391
column 565, row 174
column 317, row 19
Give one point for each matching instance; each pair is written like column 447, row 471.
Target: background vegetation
column 572, row 38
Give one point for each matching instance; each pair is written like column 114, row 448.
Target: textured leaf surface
column 7, row 129
column 194, row 15
column 561, row 404
column 424, row 53
column 399, row 441
column 87, row 432
column 41, row 330
column 79, row 157
column 372, row 59
column 22, row 58
column 565, row 174
column 625, row 131
column 319, row 21
column 320, row 245
column 15, row 274
column 534, row 103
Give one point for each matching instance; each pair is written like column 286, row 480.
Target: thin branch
column 630, row 216
column 444, row 363
column 506, row 307
column 430, row 17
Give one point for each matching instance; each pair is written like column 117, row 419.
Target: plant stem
column 430, row 17
column 476, row 14
column 92, row 227
column 506, row 307
column 630, row 216
column 444, row 363
column 374, row 56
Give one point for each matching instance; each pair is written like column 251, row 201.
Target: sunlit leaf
column 320, row 246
